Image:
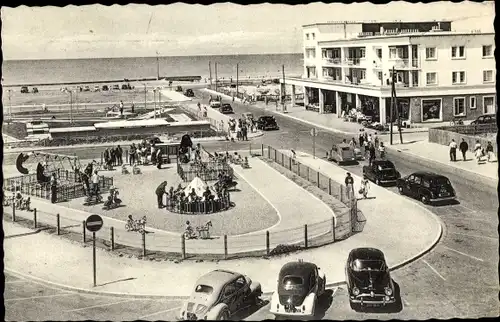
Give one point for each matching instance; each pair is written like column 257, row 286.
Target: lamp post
column 157, row 66
column 154, row 100
column 145, row 95
column 10, row 106
column 70, row 105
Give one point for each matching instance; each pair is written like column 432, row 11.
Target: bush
column 16, row 130
column 283, row 249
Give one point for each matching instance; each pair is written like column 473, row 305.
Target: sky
column 138, row 30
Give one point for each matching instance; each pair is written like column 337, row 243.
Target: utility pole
column 10, row 106
column 392, row 104
column 216, row 76
column 154, row 100
column 284, row 89
column 210, row 73
column 396, row 106
column 157, row 66
column 237, row 77
column 145, row 96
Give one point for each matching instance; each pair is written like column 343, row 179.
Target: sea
column 103, row 69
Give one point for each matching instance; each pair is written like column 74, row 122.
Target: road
column 458, row 278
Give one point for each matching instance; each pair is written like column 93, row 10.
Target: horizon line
column 206, row 55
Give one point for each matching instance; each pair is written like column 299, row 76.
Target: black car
column 267, row 123
column 126, row 87
column 179, row 89
column 485, row 119
column 105, row 88
column 35, row 90
column 368, row 278
column 25, row 89
column 189, row 93
column 300, row 285
column 226, row 109
column 428, row 187
column 381, row 171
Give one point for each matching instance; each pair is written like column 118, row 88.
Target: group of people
column 138, row 155
column 479, row 151
column 363, row 189
column 368, row 146
column 241, row 127
column 113, row 156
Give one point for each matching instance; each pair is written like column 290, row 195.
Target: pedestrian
column 53, row 188
column 376, row 140
column 366, row 145
column 352, row 143
column 95, row 185
column 490, row 153
column 365, row 186
column 453, row 150
column 159, row 158
column 133, row 107
column 121, row 108
column 205, row 112
column 160, row 190
column 361, row 140
column 372, row 154
column 131, row 154
column 349, row 183
column 370, row 139
column 381, row 150
column 112, row 156
column 463, row 148
column 238, row 131
column 478, row 151
column 153, row 154
column 244, row 132
column 107, row 158
column 119, row 154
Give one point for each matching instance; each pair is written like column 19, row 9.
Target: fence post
column 58, row 222
column 84, row 233
column 317, row 177
column 112, row 237
column 269, row 152
column 225, row 246
column 298, row 169
column 262, row 149
column 330, row 186
column 333, row 228
column 305, row 236
column 307, row 173
column 290, row 164
column 275, row 156
column 143, row 244
column 282, row 159
column 267, row 242
column 34, row 218
column 13, row 210
column 102, row 157
column 183, row 246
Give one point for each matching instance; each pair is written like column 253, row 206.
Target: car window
column 230, row 289
column 292, row 282
column 204, row 289
column 345, row 148
column 418, row 180
column 368, row 265
column 411, row 178
column 426, row 183
column 240, row 282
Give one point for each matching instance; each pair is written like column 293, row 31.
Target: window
column 472, row 102
column 431, row 109
column 379, row 53
column 426, row 183
column 418, row 180
column 430, row 53
column 487, row 76
column 362, row 53
column 458, row 52
column 431, row 78
column 393, row 52
column 489, row 105
column 487, row 51
column 313, row 36
column 459, row 106
column 458, row 77
column 307, row 36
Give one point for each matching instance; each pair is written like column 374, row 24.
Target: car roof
column 367, row 253
column 217, row 278
column 382, row 162
column 428, row 174
column 267, row 117
column 302, row 269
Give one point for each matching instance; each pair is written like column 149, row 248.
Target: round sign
column 94, row 223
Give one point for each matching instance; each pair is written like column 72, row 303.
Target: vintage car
column 35, row 90
column 267, row 122
column 342, row 153
column 105, row 87
column 25, row 89
column 215, row 104
column 178, row 89
column 428, row 187
column 97, row 88
column 189, row 93
column 220, row 294
column 485, row 119
column 300, row 284
column 381, row 171
column 247, row 116
column 226, row 109
column 126, row 86
column 116, row 87
column 368, row 278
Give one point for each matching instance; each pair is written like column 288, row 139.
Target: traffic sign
column 314, row 132
column 94, row 223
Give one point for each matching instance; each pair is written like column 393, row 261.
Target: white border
column 465, row 106
column 470, row 102
column 489, row 96
column 492, row 76
column 437, row 81
column 458, row 78
column 458, row 52
column 435, row 54
column 440, row 119
column 492, row 55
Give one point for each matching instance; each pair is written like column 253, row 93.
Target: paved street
column 459, row 278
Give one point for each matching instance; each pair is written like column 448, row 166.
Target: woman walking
column 365, row 186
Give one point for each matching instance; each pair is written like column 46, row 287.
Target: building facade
column 441, row 75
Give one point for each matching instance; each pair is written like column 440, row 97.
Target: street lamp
column 70, row 105
column 10, row 106
column 145, row 95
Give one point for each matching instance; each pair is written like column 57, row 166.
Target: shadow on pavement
column 117, row 281
column 324, row 303
column 245, row 313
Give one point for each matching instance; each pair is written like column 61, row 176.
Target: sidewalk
column 55, row 260
column 418, row 145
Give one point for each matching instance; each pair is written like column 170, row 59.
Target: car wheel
column 377, row 182
column 424, row 199
column 400, row 189
column 224, row 315
column 355, row 306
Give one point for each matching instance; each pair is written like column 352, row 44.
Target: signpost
column 93, row 224
column 314, row 134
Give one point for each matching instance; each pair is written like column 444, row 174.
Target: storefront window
column 431, row 110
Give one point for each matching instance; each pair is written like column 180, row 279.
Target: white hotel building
column 441, row 74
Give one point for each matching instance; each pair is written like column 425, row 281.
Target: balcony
column 331, row 61
column 353, row 61
column 402, row 63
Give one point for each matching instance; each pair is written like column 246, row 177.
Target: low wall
column 444, row 137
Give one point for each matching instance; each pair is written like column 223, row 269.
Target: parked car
column 368, row 278
column 126, row 86
column 381, row 171
column 105, row 88
column 97, row 88
column 247, row 116
column 428, row 187
column 189, row 93
column 267, row 122
column 86, row 89
column 34, row 90
column 226, row 109
column 300, row 284
column 178, row 89
column 215, row 104
column 485, row 119
column 25, row 89
column 220, row 294
column 342, row 153
column 116, row 87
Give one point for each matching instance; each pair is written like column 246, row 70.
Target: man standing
column 119, row 155
column 121, row 108
column 463, row 148
column 133, row 107
column 372, row 154
column 95, row 186
column 159, row 158
column 159, row 193
column 53, row 188
column 349, row 183
column 453, row 150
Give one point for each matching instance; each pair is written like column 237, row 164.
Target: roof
column 383, row 162
column 353, row 22
column 217, row 278
column 367, row 253
column 428, row 174
column 297, row 269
